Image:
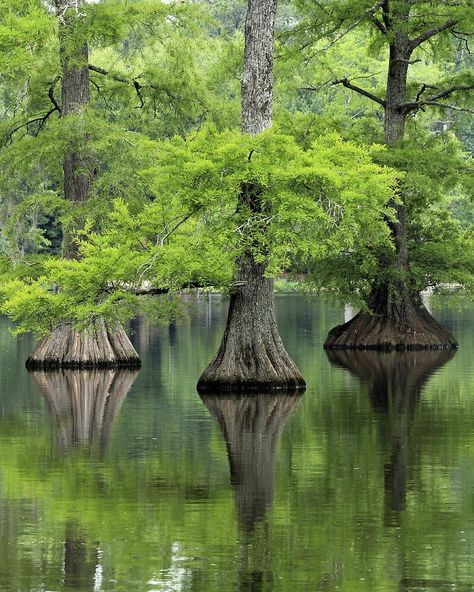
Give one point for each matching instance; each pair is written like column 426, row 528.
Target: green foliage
column 322, row 198
column 440, row 246
column 26, row 31
column 26, row 229
column 327, row 198
column 162, row 148
column 115, row 270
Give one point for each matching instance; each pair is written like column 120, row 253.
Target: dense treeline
column 147, row 181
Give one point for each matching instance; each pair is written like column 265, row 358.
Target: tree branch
column 347, row 83
column 449, row 91
column 52, row 98
column 452, row 107
column 150, row 291
column 353, row 25
column 422, row 90
column 386, row 15
column 432, row 32
column 107, row 73
column 138, row 86
column 41, row 119
column 432, row 99
column 380, row 26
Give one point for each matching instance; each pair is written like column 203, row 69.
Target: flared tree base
column 402, row 325
column 251, row 357
column 260, row 365
column 98, row 346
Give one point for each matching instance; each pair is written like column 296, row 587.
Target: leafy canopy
column 331, row 196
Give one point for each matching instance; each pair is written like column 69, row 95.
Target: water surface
column 131, row 482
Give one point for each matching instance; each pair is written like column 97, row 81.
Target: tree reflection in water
column 84, row 404
column 82, row 568
column 395, row 381
column 252, row 426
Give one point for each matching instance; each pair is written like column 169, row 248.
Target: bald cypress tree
column 99, row 345
column 395, row 317
column 252, row 355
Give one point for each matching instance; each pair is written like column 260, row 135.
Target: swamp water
column 131, row 482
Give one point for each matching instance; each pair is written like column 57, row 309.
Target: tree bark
column 100, row 345
column 252, row 355
column 75, row 96
column 396, row 317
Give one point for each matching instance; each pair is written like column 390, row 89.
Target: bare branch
column 368, row 13
column 138, row 86
column 432, row 99
column 104, row 72
column 380, row 26
column 449, row 91
column 451, row 107
column 432, row 32
column 462, row 38
column 347, row 83
column 174, row 228
column 41, row 119
column 410, row 62
column 353, row 25
column 52, row 98
column 146, row 290
column 422, row 90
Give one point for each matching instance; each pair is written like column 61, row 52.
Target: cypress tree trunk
column 75, row 97
column 251, row 355
column 100, row 345
column 397, row 317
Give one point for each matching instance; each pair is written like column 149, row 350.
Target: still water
column 131, row 482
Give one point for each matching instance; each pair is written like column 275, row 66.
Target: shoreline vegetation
column 301, row 284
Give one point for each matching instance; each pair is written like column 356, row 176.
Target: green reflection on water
column 112, row 481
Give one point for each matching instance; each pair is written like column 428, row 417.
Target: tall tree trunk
column 397, row 317
column 252, row 355
column 74, row 99
column 100, row 345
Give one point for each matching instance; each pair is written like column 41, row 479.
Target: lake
column 129, row 481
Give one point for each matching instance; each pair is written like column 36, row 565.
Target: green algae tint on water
column 130, row 481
